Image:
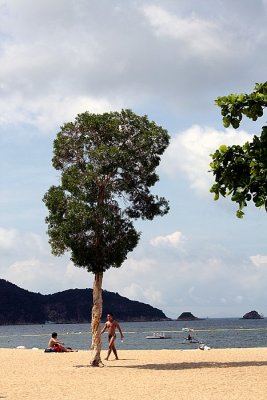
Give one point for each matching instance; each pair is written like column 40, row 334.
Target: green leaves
column 234, row 106
column 107, row 164
column 241, row 172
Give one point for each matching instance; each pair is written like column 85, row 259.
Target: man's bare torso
column 111, row 327
column 52, row 342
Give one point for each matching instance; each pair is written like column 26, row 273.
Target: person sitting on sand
column 56, row 345
column 111, row 325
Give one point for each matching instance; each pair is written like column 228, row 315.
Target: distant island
column 252, row 315
column 19, row 306
column 188, row 316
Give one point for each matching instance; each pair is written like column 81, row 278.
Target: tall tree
column 241, row 171
column 107, row 163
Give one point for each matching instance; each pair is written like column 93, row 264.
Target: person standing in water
column 111, row 325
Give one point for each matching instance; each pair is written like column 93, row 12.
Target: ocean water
column 216, row 333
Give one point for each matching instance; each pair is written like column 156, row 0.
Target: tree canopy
column 107, row 165
column 241, row 171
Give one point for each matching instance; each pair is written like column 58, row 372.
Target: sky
column 168, row 59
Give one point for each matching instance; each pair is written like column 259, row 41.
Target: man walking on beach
column 111, row 325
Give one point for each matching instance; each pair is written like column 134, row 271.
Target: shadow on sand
column 185, row 366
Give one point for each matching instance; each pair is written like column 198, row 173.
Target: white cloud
column 44, row 76
column 72, row 63
column 46, row 274
column 74, row 277
column 28, row 263
column 191, row 293
column 145, row 265
column 27, row 272
column 7, row 238
column 202, row 36
column 239, row 299
column 172, row 240
column 22, row 244
column 132, row 270
column 259, row 261
column 189, row 153
column 48, row 112
column 144, row 293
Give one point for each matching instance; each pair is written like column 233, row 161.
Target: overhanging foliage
column 241, row 171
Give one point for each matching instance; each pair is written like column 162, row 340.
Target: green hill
column 19, row 306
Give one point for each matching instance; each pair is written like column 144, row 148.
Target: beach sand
column 151, row 374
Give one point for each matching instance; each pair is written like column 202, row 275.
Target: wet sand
column 146, row 374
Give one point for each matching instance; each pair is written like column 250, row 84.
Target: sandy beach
column 147, row 374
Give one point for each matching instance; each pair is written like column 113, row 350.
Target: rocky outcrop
column 187, row 316
column 252, row 315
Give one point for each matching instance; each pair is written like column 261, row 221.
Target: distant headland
column 19, row 306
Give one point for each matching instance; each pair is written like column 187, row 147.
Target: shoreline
column 213, row 374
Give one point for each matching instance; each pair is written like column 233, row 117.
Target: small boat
column 159, row 335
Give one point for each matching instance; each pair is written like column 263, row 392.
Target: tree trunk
column 96, row 319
